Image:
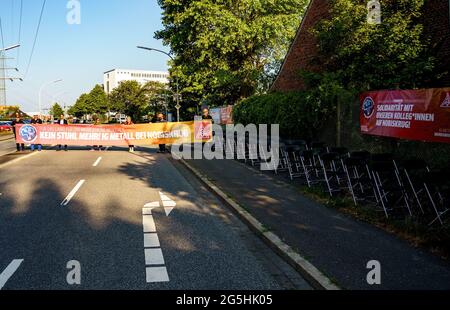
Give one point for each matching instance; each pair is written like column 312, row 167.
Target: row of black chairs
column 396, row 187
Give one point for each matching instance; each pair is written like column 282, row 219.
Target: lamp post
column 177, row 95
column 40, row 92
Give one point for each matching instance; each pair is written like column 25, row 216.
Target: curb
column 311, row 274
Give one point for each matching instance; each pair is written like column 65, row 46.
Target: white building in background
column 112, row 78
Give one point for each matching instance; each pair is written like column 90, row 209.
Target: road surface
column 6, row 145
column 79, row 217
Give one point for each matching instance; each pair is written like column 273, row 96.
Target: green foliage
column 6, row 112
column 81, row 107
column 159, row 97
column 363, row 56
column 96, row 101
column 299, row 114
column 227, row 50
column 128, row 98
column 56, row 110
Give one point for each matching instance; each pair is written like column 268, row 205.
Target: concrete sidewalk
column 339, row 246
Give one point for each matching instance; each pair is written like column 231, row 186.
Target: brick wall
column 303, row 50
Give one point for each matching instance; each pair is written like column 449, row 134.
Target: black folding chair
column 437, row 186
column 413, row 171
column 328, row 162
column 293, row 154
column 359, row 181
column 389, row 187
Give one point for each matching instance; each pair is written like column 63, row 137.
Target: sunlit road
column 6, row 145
column 101, row 209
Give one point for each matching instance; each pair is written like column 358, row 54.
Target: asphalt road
column 6, row 145
column 58, row 207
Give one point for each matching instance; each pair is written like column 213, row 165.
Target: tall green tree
column 56, row 110
column 129, row 98
column 158, row 96
column 98, row 100
column 366, row 56
column 226, row 50
column 82, row 107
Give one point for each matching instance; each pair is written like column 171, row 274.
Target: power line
column 20, row 32
column 35, row 38
column 1, row 32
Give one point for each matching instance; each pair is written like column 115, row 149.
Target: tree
column 81, row 107
column 98, row 100
column 130, row 99
column 363, row 56
column 56, row 110
column 158, row 96
column 227, row 50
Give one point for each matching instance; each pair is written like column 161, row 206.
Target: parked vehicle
column 5, row 126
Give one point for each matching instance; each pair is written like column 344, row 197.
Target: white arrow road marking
column 72, row 193
column 9, row 271
column 168, row 203
column 157, row 274
column 151, row 240
column 97, row 162
column 149, row 224
column 152, row 205
column 154, row 258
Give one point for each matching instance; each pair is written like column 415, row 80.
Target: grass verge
column 435, row 238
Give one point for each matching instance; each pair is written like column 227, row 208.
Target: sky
column 105, row 39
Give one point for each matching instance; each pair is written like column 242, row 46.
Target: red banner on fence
column 422, row 114
column 115, row 135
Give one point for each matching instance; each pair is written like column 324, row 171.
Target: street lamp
column 177, row 95
column 40, row 92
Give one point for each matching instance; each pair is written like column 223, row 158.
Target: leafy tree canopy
column 366, row 56
column 56, row 110
column 226, row 50
column 131, row 99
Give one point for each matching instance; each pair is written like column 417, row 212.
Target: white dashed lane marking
column 9, row 271
column 72, row 193
column 97, row 162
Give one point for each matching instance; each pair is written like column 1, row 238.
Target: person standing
column 62, row 121
column 206, row 115
column 129, row 122
column 161, row 119
column 97, row 147
column 18, row 120
column 36, row 121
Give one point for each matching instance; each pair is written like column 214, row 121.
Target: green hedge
column 297, row 113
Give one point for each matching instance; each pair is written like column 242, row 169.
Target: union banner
column 422, row 114
column 115, row 135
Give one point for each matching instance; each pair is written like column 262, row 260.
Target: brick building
column 303, row 50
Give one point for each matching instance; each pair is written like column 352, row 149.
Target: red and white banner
column 115, row 135
column 422, row 114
